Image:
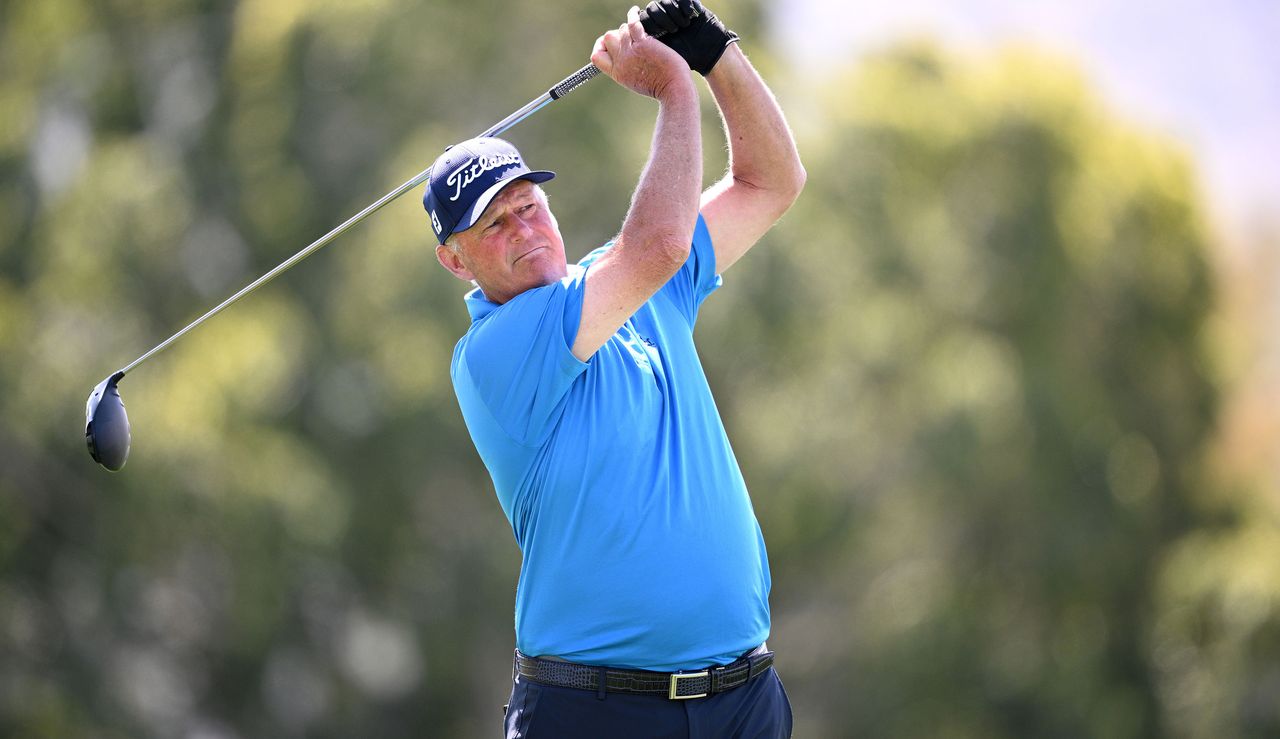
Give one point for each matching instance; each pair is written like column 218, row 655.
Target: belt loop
column 601, row 679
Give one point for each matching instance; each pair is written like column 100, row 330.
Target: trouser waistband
column 673, row 685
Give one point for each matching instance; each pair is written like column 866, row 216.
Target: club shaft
column 564, row 87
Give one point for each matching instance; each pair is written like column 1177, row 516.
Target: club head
column 106, row 429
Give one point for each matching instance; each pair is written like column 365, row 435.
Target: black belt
column 673, row 685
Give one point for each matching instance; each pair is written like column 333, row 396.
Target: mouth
column 534, row 250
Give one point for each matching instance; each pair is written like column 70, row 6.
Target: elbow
column 668, row 250
column 784, row 188
column 780, row 187
column 793, row 183
column 662, row 252
column 672, row 250
column 794, row 176
column 661, row 259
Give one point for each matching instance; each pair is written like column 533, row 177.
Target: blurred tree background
column 975, row 381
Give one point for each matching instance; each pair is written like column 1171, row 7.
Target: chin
column 548, row 268
column 547, row 278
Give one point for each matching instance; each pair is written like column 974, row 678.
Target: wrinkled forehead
column 514, row 191
column 518, row 190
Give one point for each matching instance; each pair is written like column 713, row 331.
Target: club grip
column 574, row 81
column 584, row 75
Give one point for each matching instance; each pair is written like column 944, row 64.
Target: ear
column 452, row 261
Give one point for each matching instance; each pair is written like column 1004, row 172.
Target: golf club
column 106, row 428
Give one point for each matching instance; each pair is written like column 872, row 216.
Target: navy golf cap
column 466, row 177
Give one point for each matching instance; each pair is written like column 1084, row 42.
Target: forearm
column 658, row 229
column 762, row 150
column 664, row 207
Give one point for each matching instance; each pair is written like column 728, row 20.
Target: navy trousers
column 757, row 710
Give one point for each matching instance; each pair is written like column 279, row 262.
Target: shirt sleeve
column 697, row 278
column 519, row 359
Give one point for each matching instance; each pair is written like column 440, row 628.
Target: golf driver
column 106, row 428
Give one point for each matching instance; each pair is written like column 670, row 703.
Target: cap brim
column 478, row 207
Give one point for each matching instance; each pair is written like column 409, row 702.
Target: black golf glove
column 689, row 28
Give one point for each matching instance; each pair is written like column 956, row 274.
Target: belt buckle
column 676, row 677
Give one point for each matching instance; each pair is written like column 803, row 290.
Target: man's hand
column 637, row 61
column 689, row 28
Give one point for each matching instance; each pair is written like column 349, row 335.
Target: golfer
column 642, row 608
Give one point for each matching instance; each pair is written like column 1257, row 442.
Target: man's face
column 514, row 247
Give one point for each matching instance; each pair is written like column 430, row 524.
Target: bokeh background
column 1004, row 383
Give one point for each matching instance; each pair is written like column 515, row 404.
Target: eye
column 527, row 207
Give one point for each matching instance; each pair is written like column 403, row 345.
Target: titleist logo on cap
column 467, row 173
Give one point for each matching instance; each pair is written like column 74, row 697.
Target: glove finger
column 650, row 25
column 689, row 10
column 671, row 13
column 659, row 20
column 677, row 12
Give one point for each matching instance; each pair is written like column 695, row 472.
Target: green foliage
column 966, row 378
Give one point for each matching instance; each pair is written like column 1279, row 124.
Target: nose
column 522, row 230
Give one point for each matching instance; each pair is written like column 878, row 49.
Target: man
column 642, row 607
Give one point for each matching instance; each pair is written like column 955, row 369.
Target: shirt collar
column 478, row 305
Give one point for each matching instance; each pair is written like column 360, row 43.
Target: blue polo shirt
column 640, row 546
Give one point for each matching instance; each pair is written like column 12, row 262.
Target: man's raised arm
column 658, row 231
column 765, row 174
